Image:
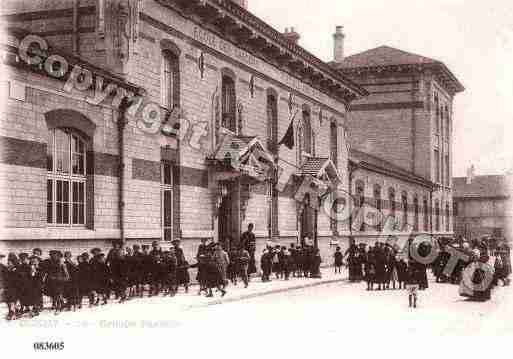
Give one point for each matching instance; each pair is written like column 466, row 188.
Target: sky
column 473, row 38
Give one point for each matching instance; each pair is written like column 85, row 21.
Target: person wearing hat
column 147, row 267
column 138, row 268
column 266, row 264
column 182, row 271
column 71, row 289
column 222, row 261
column 170, row 264
column 11, row 285
column 101, row 282
column 248, row 241
column 25, row 293
column 155, row 248
column 57, row 277
column 84, row 279
column 352, row 254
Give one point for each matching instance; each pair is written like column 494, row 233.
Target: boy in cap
column 338, row 257
column 71, row 289
column 147, row 266
column 182, row 272
column 25, row 292
column 101, row 277
column 137, row 262
column 266, row 264
column 84, row 279
column 12, row 285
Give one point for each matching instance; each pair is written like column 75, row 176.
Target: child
column 101, row 275
column 370, row 271
column 84, row 279
column 338, row 260
column 287, row 263
column 266, row 263
column 315, row 268
column 12, row 285
column 402, row 268
column 412, row 285
column 71, row 288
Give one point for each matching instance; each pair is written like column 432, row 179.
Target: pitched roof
column 389, row 57
column 313, row 165
column 384, row 56
column 372, row 162
column 481, row 187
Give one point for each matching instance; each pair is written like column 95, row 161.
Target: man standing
column 248, row 240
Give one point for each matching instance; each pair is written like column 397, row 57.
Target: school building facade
column 76, row 173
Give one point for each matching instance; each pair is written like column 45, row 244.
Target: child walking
column 412, row 285
column 338, row 260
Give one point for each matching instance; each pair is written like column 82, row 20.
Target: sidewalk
column 186, row 301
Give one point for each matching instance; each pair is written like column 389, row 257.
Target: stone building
column 80, row 167
column 404, row 126
column 483, row 206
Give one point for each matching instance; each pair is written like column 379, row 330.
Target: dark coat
column 100, row 273
column 12, row 284
column 57, row 279
column 84, row 278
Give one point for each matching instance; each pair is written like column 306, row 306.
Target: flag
column 291, row 102
column 288, row 139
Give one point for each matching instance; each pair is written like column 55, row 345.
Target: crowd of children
column 124, row 272
column 130, row 272
column 297, row 260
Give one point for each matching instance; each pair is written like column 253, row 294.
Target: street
column 340, row 309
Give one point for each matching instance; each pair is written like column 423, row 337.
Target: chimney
column 471, row 173
column 291, row 35
column 338, row 44
column 242, row 3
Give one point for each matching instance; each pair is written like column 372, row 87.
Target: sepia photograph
column 256, row 178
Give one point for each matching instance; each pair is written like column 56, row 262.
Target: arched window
column 391, row 202
column 272, row 135
column 272, row 121
column 166, row 189
column 447, row 218
column 307, row 131
column 379, row 205
column 404, row 203
column 416, row 213
column 229, row 103
column 437, row 216
column 426, row 215
column 334, row 142
column 66, row 183
column 170, row 82
column 359, row 201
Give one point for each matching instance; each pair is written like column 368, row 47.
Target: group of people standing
column 124, row 272
column 383, row 266
column 300, row 261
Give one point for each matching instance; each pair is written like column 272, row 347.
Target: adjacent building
column 404, row 129
column 483, row 206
